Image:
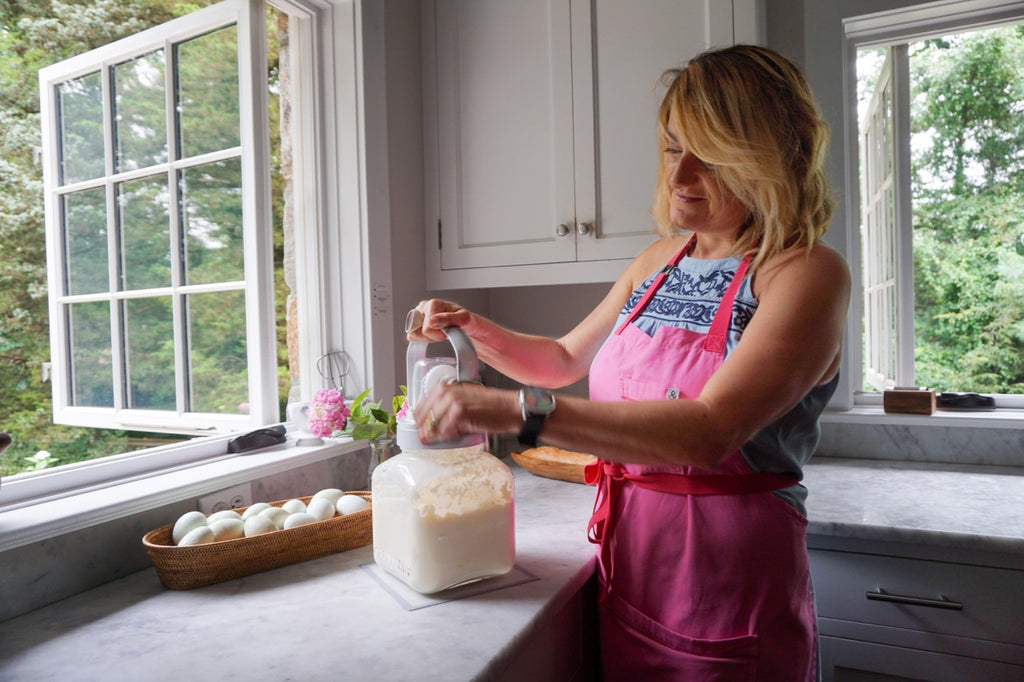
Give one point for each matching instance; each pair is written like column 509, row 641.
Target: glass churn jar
column 443, row 513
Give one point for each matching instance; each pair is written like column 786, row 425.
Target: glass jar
column 442, row 518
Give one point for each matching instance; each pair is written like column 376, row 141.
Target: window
column 160, row 230
column 323, row 218
column 941, row 170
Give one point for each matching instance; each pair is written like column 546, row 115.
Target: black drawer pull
column 940, row 603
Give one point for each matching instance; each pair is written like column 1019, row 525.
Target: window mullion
column 904, row 217
column 175, row 229
column 257, row 213
column 307, row 186
column 118, row 353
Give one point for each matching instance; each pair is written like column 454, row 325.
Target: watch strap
column 531, row 429
column 537, row 404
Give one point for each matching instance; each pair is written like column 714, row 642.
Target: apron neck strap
column 719, row 331
column 657, row 282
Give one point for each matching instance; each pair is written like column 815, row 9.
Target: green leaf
column 368, row 431
column 361, row 398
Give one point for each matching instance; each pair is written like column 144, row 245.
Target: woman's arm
column 539, row 360
column 791, row 344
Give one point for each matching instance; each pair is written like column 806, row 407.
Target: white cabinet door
column 504, row 128
column 540, row 130
column 620, row 50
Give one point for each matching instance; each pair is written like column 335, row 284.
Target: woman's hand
column 455, row 409
column 429, row 319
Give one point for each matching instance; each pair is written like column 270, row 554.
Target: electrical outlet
column 229, row 498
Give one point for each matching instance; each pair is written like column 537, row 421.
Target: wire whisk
column 334, row 367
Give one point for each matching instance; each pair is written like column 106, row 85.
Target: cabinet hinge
column 439, row 234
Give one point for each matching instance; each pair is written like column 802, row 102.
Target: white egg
column 227, row 529
column 294, row 506
column 298, row 519
column 223, row 514
column 185, row 523
column 277, row 515
column 258, row 525
column 350, row 504
column 320, row 508
column 253, row 510
column 199, row 535
column 332, row 494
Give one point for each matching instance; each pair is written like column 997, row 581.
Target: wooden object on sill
column 552, row 462
column 909, row 400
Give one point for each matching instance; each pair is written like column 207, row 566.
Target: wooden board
column 551, row 462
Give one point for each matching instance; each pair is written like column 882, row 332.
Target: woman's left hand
column 454, row 409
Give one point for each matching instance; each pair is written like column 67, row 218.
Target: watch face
column 538, row 400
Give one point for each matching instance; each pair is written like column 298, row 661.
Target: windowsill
column 33, row 523
column 875, row 415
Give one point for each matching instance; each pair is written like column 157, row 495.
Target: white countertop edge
column 917, row 536
column 552, row 606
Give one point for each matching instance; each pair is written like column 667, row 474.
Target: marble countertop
column 333, row 618
column 324, row 619
column 949, row 507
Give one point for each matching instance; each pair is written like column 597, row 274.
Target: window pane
column 207, row 97
column 140, row 119
column 150, row 363
column 80, row 112
column 217, row 353
column 212, row 213
column 967, row 154
column 143, row 212
column 85, row 241
column 92, row 378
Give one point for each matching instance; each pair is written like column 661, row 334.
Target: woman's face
column 696, row 201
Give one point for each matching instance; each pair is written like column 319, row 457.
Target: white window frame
column 341, row 148
column 254, row 154
column 883, row 29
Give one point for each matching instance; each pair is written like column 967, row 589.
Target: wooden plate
column 551, row 462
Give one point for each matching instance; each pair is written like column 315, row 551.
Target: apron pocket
column 636, row 646
column 631, row 389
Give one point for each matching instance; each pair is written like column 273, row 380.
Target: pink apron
column 704, row 572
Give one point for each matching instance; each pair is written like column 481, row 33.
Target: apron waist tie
column 609, row 477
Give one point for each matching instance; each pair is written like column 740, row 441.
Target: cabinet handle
column 940, row 603
column 562, row 230
column 583, row 228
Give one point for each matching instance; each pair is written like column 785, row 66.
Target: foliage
column 369, row 420
column 968, row 166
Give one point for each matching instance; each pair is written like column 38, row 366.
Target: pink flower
column 327, row 413
column 404, row 410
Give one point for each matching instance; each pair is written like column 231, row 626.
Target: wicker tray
column 185, row 568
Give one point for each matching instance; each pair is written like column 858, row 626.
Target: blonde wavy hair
column 748, row 112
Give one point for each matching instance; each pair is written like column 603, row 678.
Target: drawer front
column 929, row 596
column 846, row 660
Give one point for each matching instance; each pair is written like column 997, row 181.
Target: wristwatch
column 537, row 404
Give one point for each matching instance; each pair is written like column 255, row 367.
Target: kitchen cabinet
column 889, row 618
column 540, row 137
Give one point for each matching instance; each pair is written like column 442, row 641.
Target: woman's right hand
column 429, row 319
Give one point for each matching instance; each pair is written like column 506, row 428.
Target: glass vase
column 380, row 450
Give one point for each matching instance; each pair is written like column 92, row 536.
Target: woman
column 710, row 361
